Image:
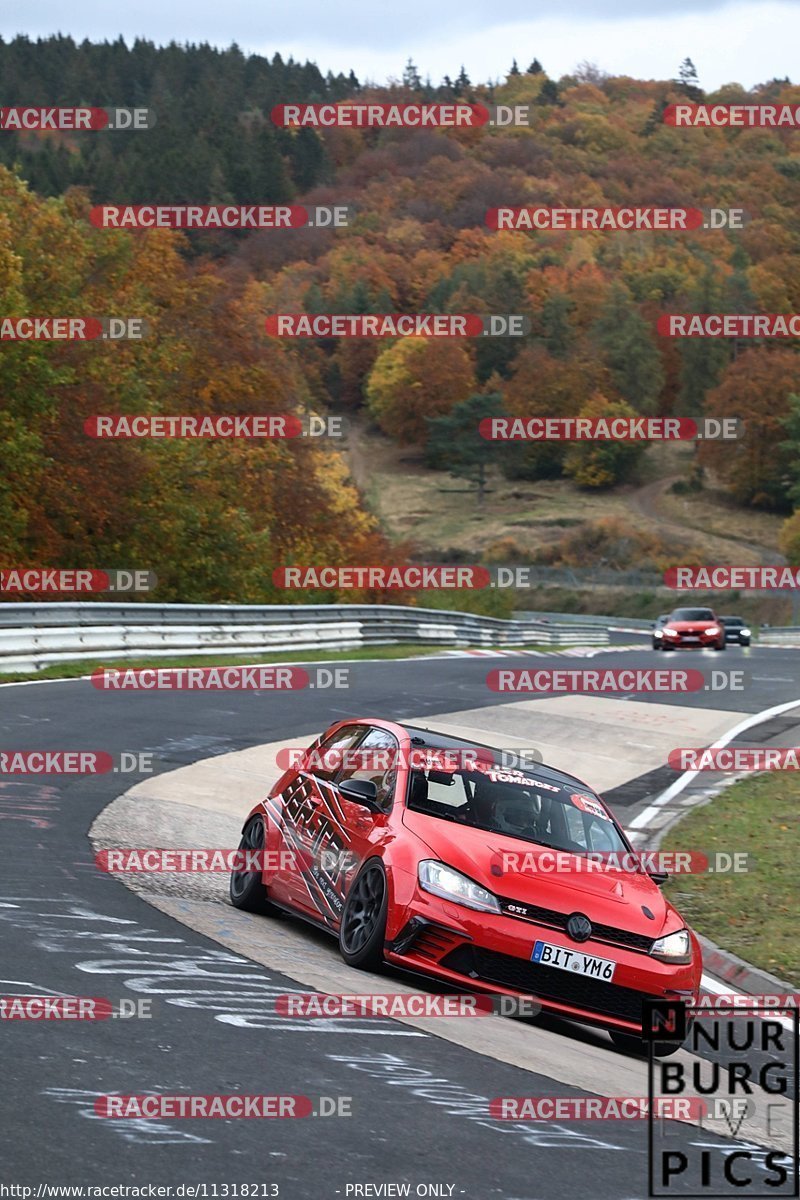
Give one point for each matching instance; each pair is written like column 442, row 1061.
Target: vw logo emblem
column 579, row 927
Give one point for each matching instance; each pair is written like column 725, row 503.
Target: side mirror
column 658, row 877
column 361, row 791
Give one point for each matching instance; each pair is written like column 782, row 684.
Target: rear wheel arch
column 246, row 888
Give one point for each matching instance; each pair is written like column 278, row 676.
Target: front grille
column 621, row 937
column 548, row 983
column 558, row 920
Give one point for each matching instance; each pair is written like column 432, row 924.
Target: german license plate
column 573, row 960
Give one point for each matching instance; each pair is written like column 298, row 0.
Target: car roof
column 433, row 740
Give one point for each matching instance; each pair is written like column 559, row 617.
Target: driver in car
column 515, row 811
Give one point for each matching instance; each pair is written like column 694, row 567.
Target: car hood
column 609, row 897
column 690, row 626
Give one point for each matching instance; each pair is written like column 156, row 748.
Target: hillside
column 214, row 518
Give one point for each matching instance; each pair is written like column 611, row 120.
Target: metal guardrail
column 779, row 635
column 33, row 636
column 620, row 624
column 785, row 635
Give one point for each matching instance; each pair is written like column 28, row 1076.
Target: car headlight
column 744, row 631
column 674, row 948
column 713, row 630
column 441, row 880
column 670, row 632
column 658, row 633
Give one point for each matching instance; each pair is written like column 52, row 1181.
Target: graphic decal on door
column 310, row 818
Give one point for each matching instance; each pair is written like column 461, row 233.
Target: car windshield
column 516, row 804
column 693, row 614
column 732, row 621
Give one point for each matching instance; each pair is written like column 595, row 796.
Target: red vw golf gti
column 424, row 851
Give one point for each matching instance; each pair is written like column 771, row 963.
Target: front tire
column 246, row 888
column 362, row 929
column 722, row 645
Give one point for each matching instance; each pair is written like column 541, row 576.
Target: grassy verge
column 72, row 670
column 753, row 914
column 647, row 605
column 521, row 517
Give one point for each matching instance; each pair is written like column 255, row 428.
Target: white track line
column 709, row 984
column 674, row 789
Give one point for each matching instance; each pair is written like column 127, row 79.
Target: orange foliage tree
column 416, row 378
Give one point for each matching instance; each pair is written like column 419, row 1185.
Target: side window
column 344, row 739
column 380, row 750
column 590, row 833
column 452, row 793
column 601, row 836
column 575, row 826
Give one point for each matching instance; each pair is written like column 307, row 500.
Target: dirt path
column 648, row 501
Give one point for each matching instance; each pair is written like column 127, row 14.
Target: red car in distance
column 690, row 627
column 424, row 851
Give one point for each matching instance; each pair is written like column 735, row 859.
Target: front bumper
column 489, row 952
column 692, row 641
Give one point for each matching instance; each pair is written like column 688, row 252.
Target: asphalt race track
column 419, row 1101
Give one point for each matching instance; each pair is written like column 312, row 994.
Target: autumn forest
column 214, row 518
